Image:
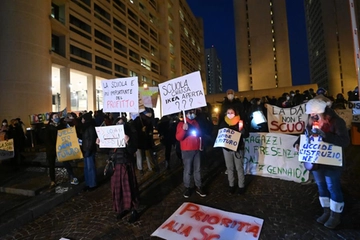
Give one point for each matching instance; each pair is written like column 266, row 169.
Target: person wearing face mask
column 124, row 186
column 234, row 160
column 189, row 135
column 144, row 128
column 230, row 101
column 332, row 129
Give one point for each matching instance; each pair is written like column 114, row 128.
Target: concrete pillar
column 64, row 88
column 25, row 69
column 91, row 93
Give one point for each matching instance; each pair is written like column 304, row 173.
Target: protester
column 89, row 149
column 4, row 130
column 189, row 135
column 333, row 130
column 124, row 186
column 167, row 130
column 234, row 160
column 230, row 101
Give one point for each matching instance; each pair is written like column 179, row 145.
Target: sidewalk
column 24, row 193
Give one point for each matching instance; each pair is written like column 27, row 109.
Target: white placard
column 227, row 138
column 286, row 120
column 111, row 136
column 194, row 221
column 182, row 93
column 315, row 150
column 273, row 155
column 120, row 95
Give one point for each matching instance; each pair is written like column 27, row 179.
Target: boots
column 336, row 210
column 325, row 216
column 325, row 203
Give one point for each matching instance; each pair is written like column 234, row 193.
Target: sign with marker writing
column 314, row 150
column 182, row 93
column 6, row 149
column 355, row 107
column 111, row 136
column 121, row 95
column 227, row 138
column 286, row 120
column 195, row 221
column 273, row 155
column 67, row 145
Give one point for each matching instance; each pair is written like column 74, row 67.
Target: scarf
column 232, row 122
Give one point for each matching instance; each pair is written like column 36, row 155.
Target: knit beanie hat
column 315, row 106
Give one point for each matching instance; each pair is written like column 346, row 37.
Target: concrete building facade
column 54, row 53
column 213, row 71
column 262, row 44
column 330, row 43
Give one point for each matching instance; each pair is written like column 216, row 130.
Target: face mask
column 287, row 97
column 230, row 96
column 191, row 116
column 56, row 120
column 230, row 115
column 292, row 94
column 4, row 124
column 148, row 114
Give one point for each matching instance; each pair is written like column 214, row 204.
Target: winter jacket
column 189, row 139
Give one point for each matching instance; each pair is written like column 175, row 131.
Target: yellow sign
column 6, row 149
column 67, row 145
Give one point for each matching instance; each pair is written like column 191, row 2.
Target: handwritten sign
column 149, row 96
column 67, row 145
column 182, row 93
column 272, row 155
column 6, row 149
column 317, row 151
column 194, row 221
column 111, row 136
column 227, row 138
column 44, row 117
column 345, row 114
column 286, row 120
column 355, row 107
column 120, row 95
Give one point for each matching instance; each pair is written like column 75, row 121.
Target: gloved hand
column 318, row 132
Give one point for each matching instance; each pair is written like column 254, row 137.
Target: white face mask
column 287, row 97
column 230, row 115
column 230, row 96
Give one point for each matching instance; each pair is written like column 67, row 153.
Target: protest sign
column 67, row 145
column 273, row 155
column 6, row 149
column 227, row 138
column 111, row 136
column 286, row 120
column 182, row 93
column 120, row 95
column 44, row 117
column 194, row 221
column 149, row 96
column 345, row 114
column 314, row 150
column 355, row 107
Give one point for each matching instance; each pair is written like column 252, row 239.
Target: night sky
column 219, row 31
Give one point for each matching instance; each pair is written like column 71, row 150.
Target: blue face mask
column 56, row 120
column 191, row 116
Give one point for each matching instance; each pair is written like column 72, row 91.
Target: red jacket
column 188, row 141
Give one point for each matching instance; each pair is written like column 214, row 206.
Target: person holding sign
column 189, row 135
column 234, row 160
column 324, row 122
column 124, row 186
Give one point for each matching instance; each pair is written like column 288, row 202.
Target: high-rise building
column 54, row 53
column 213, row 71
column 262, row 44
column 330, row 43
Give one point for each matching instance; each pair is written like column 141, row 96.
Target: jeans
column 328, row 182
column 191, row 160
column 90, row 170
column 234, row 161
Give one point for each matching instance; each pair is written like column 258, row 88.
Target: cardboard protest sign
column 286, row 120
column 273, row 155
column 355, row 107
column 44, row 117
column 345, row 114
column 317, row 151
column 182, row 93
column 194, row 221
column 120, row 95
column 227, row 138
column 149, row 96
column 67, row 145
column 111, row 136
column 6, row 149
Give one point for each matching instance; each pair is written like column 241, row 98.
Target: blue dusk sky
column 219, row 31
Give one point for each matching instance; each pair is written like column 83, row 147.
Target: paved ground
column 288, row 208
